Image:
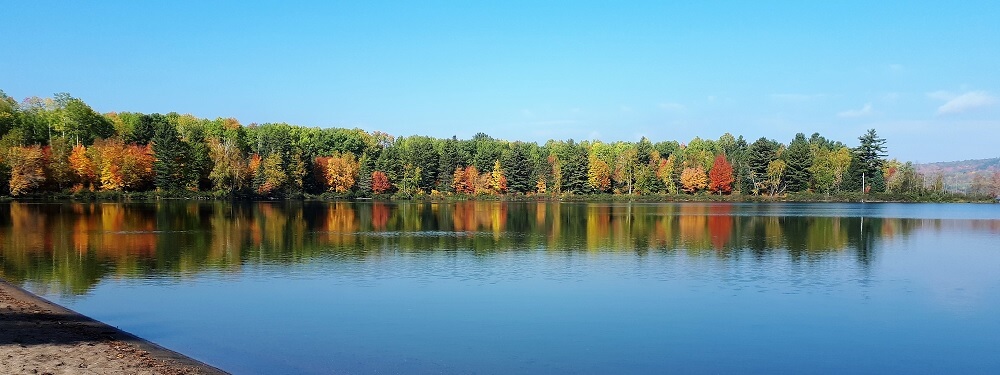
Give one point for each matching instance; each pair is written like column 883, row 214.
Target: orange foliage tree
column 342, row 172
column 123, row 167
column 27, row 168
column 380, row 182
column 464, row 180
column 721, row 176
column 83, row 167
column 320, row 166
column 693, row 179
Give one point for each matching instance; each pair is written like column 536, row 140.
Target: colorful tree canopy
column 61, row 144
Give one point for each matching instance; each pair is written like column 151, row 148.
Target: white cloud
column 941, row 95
column 963, row 103
column 797, row 97
column 673, row 107
column 864, row 111
column 552, row 122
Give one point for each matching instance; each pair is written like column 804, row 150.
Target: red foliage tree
column 721, row 176
column 380, row 182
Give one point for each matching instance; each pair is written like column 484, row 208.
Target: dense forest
column 61, row 145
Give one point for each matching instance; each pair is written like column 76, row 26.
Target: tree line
column 61, row 144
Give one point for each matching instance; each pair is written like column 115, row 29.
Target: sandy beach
column 39, row 337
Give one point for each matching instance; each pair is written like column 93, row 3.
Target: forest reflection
column 73, row 246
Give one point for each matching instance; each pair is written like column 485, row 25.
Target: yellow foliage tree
column 599, row 174
column 270, row 174
column 27, row 169
column 665, row 173
column 498, row 182
column 229, row 168
column 775, row 171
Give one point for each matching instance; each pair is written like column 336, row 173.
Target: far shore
column 842, row 197
column 41, row 337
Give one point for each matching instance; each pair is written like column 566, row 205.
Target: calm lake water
column 545, row 288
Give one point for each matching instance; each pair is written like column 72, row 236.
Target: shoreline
column 842, row 197
column 41, row 337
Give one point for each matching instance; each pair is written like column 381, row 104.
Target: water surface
column 490, row 287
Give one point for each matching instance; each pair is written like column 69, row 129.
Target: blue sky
column 924, row 74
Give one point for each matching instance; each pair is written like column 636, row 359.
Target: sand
column 40, row 337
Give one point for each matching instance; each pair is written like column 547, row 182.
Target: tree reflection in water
column 72, row 246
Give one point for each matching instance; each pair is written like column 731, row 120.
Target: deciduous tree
column 464, row 180
column 693, row 179
column 498, row 182
column 27, row 169
column 230, row 171
column 721, row 176
column 342, row 172
column 380, row 182
column 599, row 174
column 83, row 167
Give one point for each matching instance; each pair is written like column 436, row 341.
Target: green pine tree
column 799, row 160
column 172, row 157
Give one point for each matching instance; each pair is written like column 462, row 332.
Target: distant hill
column 958, row 175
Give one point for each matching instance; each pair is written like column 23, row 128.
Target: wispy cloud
column 796, row 97
column 864, row 111
column 941, row 95
column 552, row 122
column 955, row 104
column 672, row 107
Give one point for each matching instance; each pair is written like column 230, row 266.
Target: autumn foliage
column 83, row 167
column 123, row 167
column 693, row 179
column 341, row 172
column 380, row 182
column 464, row 180
column 498, row 182
column 27, row 169
column 721, row 176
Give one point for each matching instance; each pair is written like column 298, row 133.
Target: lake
column 526, row 287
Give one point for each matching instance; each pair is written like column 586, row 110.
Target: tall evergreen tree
column 448, row 161
column 799, row 160
column 143, row 131
column 367, row 166
column 574, row 168
column 519, row 168
column 760, row 154
column 867, row 163
column 171, row 167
